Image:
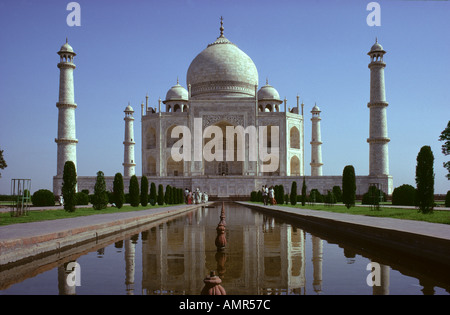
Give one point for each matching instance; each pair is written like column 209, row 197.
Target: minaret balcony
column 66, row 65
column 378, row 140
column 69, row 105
column 65, row 140
column 377, row 104
column 377, row 63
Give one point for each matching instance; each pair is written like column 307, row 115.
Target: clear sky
column 316, row 49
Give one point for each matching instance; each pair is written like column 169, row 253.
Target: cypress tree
column 69, row 186
column 152, row 197
column 160, row 194
column 100, row 198
column 134, row 191
column 180, row 195
column 348, row 186
column 425, row 180
column 118, row 191
column 294, row 193
column 168, row 195
column 144, row 191
column 303, row 192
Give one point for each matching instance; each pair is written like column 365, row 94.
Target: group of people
column 195, row 197
column 268, row 194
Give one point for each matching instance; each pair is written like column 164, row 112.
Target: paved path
column 410, row 226
column 37, row 237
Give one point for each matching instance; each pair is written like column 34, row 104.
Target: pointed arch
column 294, row 138
column 295, row 166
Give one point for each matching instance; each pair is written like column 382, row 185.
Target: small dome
column 177, row 92
column 129, row 109
column 268, row 92
column 315, row 108
column 376, row 47
column 66, row 48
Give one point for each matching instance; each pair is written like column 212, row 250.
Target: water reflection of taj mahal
column 262, row 256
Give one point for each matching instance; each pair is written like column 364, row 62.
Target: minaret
column 66, row 141
column 316, row 143
column 378, row 136
column 128, row 159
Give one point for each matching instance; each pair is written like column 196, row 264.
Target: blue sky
column 317, row 49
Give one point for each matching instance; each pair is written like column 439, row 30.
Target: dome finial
column 67, row 41
column 178, row 82
column 376, row 39
column 221, row 26
column 267, row 81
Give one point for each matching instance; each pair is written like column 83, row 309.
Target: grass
column 44, row 215
column 398, row 213
column 404, row 214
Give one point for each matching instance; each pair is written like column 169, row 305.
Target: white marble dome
column 66, row 48
column 376, row 47
column 222, row 70
column 177, row 92
column 268, row 92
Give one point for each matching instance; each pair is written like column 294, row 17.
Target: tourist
column 272, row 196
column 190, row 198
column 186, row 195
column 264, row 194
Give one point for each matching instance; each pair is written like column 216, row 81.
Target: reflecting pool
column 262, row 255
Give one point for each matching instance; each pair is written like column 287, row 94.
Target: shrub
column 279, row 194
column 337, row 193
column 100, row 198
column 180, row 195
column 69, row 184
column 404, row 195
column 118, row 191
column 294, row 193
column 348, row 186
column 134, row 191
column 330, row 198
column 152, row 197
column 315, row 196
column 303, row 192
column 144, row 191
column 259, row 196
column 425, row 179
column 160, row 194
column 43, row 198
column 373, row 196
column 253, row 195
column 168, row 195
column 81, row 198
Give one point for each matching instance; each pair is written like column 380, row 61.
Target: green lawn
column 43, row 215
column 406, row 214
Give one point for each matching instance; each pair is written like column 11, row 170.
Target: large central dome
column 222, row 70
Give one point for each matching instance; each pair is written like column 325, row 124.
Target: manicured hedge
column 43, row 198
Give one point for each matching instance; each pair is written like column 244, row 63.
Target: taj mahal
column 223, row 95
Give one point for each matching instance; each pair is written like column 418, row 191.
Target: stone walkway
column 410, row 226
column 18, row 241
